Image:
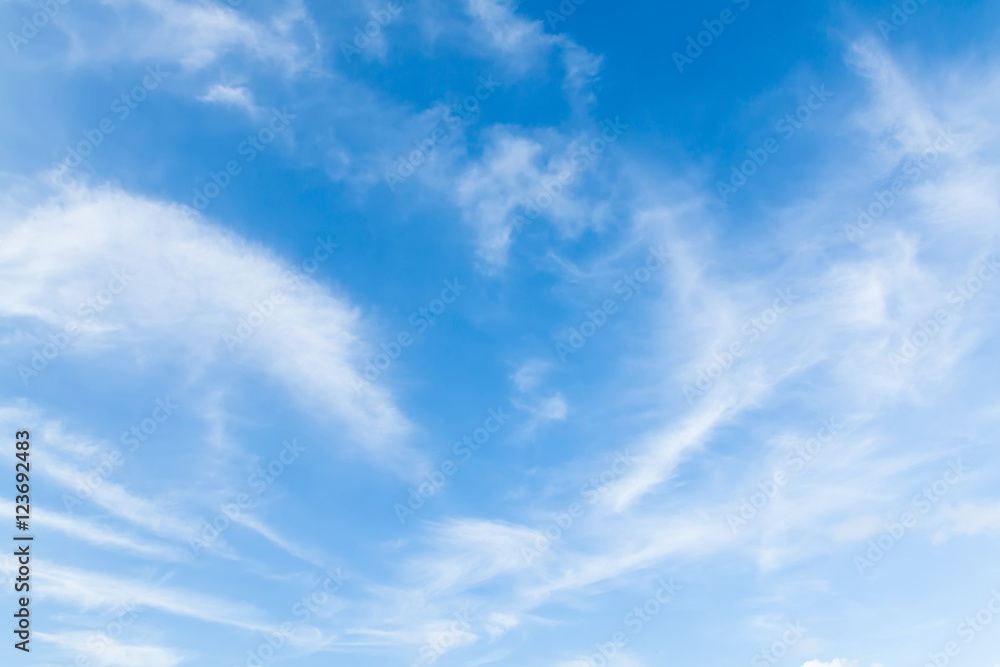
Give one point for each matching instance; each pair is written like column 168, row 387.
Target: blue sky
column 516, row 334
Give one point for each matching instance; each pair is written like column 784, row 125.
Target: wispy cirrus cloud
column 193, row 273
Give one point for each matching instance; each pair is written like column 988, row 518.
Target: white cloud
column 191, row 284
column 852, row 310
column 531, row 374
column 900, row 111
column 471, row 551
column 196, row 34
column 967, row 519
column 235, row 96
column 93, row 590
column 582, row 68
column 271, row 535
column 552, row 408
column 521, row 45
column 662, row 452
column 489, row 191
column 520, row 41
column 99, row 534
column 533, row 176
column 142, row 512
column 103, row 650
column 616, row 660
column 854, row 303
